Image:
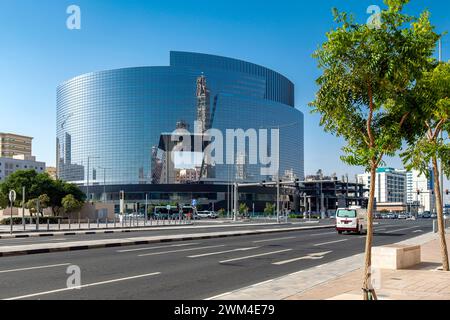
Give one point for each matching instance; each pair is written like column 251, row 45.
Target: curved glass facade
column 110, row 123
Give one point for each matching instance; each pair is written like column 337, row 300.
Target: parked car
column 433, row 216
column 426, row 215
column 402, row 216
column 203, row 214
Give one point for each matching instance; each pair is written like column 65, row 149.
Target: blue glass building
column 110, row 123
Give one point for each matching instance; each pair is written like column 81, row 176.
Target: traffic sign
column 194, row 203
column 12, row 196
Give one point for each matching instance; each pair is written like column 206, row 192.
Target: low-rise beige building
column 14, row 145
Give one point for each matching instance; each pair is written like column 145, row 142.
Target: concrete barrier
column 395, row 257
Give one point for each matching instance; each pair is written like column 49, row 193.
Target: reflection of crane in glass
column 211, row 123
column 65, row 120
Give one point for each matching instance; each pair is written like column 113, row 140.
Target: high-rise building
column 14, row 145
column 390, row 188
column 420, row 192
column 123, row 120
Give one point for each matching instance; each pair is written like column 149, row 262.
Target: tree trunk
column 369, row 238
column 440, row 215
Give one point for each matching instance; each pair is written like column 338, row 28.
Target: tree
column 432, row 114
column 3, row 200
column 71, row 204
column 243, row 209
column 37, row 184
column 367, row 75
column 269, row 209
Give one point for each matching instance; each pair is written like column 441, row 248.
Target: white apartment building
column 19, row 162
column 390, row 188
column 420, row 190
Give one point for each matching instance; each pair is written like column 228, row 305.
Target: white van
column 353, row 219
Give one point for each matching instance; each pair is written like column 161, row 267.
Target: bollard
column 435, row 226
column 106, row 223
column 98, row 223
column 37, row 222
column 89, row 224
column 59, row 224
column 115, row 223
column 70, row 226
column 48, row 224
column 123, row 220
column 79, row 224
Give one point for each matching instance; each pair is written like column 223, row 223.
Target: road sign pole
column 12, row 198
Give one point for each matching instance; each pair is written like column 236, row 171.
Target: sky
column 38, row 52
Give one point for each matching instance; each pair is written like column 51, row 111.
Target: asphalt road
column 187, row 270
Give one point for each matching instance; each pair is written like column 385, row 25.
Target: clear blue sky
column 37, row 51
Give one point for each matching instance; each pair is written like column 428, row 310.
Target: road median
column 40, row 248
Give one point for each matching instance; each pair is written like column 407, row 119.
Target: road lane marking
column 182, row 250
column 417, row 231
column 255, row 256
column 221, row 252
column 276, row 239
column 35, row 268
column 312, row 256
column 331, row 242
column 83, row 286
column 321, row 234
column 159, row 247
column 403, row 229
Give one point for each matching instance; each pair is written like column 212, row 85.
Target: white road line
column 182, row 250
column 221, row 252
column 159, row 247
column 276, row 239
column 380, row 229
column 403, row 229
column 83, row 286
column 312, row 256
column 331, row 242
column 218, row 296
column 35, row 268
column 255, row 256
column 321, row 234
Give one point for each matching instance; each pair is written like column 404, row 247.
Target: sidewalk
column 342, row 279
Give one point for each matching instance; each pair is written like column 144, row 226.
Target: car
column 213, row 215
column 203, row 214
column 402, row 216
column 426, row 215
column 433, row 216
column 351, row 219
column 447, row 216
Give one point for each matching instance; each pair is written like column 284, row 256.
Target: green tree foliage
column 3, row 200
column 38, row 184
column 367, row 77
column 269, row 209
column 431, row 99
column 243, row 209
column 71, row 204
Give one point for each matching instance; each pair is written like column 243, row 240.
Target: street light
column 104, row 182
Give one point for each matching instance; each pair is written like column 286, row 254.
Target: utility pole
column 278, row 199
column 23, row 208
column 236, row 204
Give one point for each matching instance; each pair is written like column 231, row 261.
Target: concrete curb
column 111, row 243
